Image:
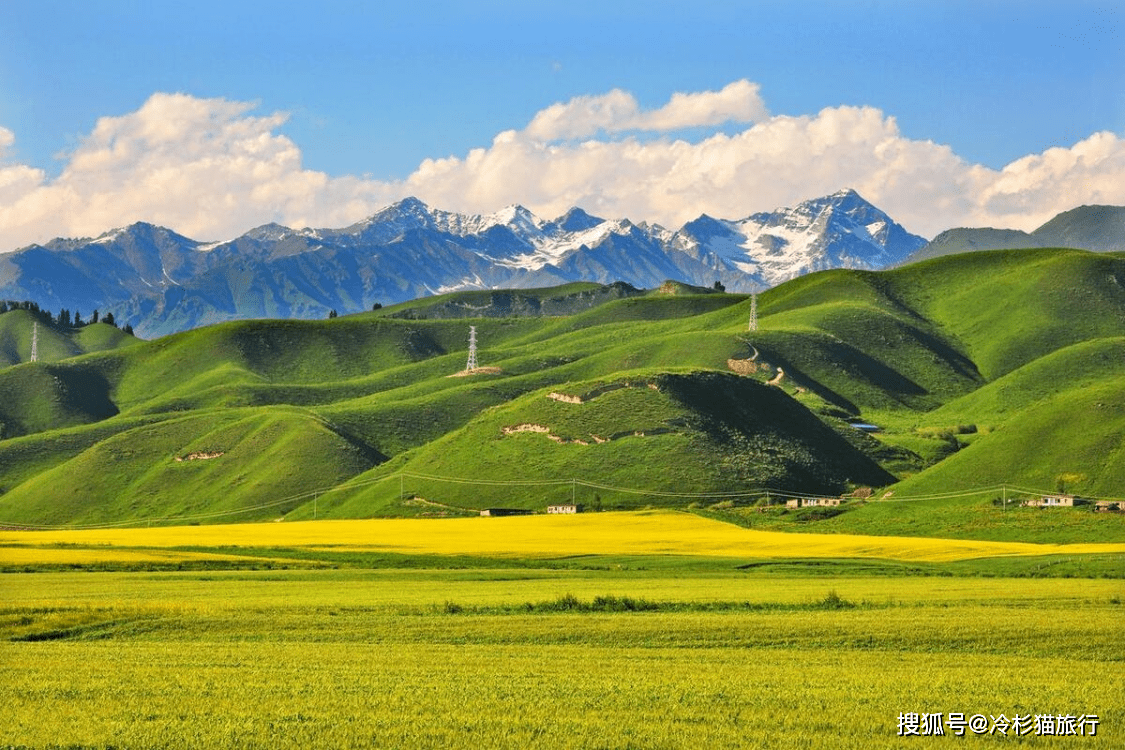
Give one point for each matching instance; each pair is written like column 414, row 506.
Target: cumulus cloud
column 618, row 111
column 204, row 167
column 213, row 168
column 1030, row 189
column 776, row 161
column 736, row 102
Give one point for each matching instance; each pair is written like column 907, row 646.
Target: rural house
column 565, row 508
column 810, row 502
column 1052, row 501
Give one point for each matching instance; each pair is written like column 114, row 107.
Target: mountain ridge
column 1097, row 228
column 161, row 282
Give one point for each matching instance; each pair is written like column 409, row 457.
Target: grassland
column 55, row 343
column 618, row 631
column 985, row 370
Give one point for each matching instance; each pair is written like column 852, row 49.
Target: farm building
column 1053, row 501
column 565, row 508
column 1104, row 506
column 811, row 502
column 505, row 512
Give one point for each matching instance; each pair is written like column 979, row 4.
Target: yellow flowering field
column 540, row 536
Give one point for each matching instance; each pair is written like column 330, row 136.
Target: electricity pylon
column 472, row 363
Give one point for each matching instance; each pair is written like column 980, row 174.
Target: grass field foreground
column 603, row 630
column 517, row 657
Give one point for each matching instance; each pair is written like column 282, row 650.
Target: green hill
column 55, row 343
column 1073, row 441
column 43, row 395
column 1011, row 307
column 199, row 467
column 656, row 438
column 978, row 370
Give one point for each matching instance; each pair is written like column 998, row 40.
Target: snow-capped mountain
column 162, row 282
column 841, row 230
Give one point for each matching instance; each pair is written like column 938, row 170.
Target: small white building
column 812, row 502
column 566, row 508
column 1052, row 501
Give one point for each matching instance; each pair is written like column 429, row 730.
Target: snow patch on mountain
column 841, row 230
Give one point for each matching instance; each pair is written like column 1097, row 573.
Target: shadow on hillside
column 85, row 392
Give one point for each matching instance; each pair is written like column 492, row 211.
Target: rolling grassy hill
column 55, row 343
column 659, row 437
column 980, row 369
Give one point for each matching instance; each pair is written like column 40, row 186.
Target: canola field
column 544, row 537
column 609, row 631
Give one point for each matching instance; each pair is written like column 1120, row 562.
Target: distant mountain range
column 1097, row 228
column 161, row 282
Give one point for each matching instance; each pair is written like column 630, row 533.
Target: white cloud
column 778, row 161
column 736, row 102
column 619, row 111
column 582, row 116
column 211, row 169
column 1036, row 187
column 204, row 167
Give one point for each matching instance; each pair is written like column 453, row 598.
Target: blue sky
column 364, row 94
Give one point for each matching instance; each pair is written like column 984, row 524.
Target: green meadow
column 607, row 652
column 990, row 378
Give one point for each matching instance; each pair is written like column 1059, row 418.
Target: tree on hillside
column 109, row 319
column 41, row 314
column 128, row 329
column 332, row 314
column 94, row 319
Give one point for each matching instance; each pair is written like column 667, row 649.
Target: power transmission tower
column 754, row 311
column 35, row 342
column 472, row 363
